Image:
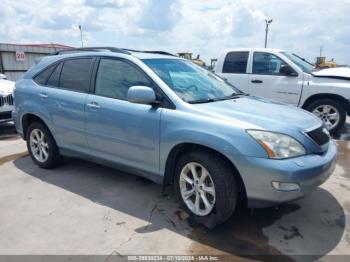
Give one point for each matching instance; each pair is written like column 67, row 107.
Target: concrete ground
column 83, row 208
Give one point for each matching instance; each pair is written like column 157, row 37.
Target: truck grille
column 319, row 136
column 8, row 100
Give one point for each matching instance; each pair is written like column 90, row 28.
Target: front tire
column 42, row 146
column 331, row 112
column 206, row 187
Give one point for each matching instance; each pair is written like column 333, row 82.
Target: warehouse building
column 16, row 59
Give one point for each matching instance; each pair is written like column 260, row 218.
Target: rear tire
column 219, row 187
column 330, row 111
column 42, row 146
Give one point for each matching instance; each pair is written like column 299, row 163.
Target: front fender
column 221, row 137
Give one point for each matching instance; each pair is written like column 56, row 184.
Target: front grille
column 320, row 136
column 8, row 100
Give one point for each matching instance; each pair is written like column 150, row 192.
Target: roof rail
column 150, row 52
column 92, row 49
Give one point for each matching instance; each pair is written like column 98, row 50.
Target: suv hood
column 6, row 87
column 337, row 73
column 260, row 113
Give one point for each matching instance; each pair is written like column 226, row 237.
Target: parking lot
column 84, row 208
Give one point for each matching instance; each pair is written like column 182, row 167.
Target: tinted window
column 266, row 64
column 75, row 74
column 115, row 77
column 55, row 76
column 236, row 62
column 44, row 75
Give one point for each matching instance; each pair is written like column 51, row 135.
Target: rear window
column 236, row 62
column 75, row 74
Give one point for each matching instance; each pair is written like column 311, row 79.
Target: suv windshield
column 190, row 82
column 303, row 65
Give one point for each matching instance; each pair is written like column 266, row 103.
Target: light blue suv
column 169, row 120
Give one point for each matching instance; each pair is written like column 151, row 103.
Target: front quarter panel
column 323, row 85
column 178, row 127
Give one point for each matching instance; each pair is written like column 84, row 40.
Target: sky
column 204, row 27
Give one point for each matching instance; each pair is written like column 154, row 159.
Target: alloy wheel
column 328, row 114
column 39, row 145
column 197, row 189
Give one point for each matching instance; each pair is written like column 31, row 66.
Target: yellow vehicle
column 322, row 63
column 188, row 56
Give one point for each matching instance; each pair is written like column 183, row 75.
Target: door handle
column 256, row 81
column 43, row 95
column 93, row 105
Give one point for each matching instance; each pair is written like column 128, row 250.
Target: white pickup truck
column 288, row 78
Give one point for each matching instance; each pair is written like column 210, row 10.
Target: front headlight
column 277, row 145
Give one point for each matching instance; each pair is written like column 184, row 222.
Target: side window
column 266, row 64
column 236, row 62
column 55, row 76
column 75, row 74
column 115, row 77
column 41, row 78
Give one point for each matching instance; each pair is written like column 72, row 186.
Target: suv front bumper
column 308, row 172
column 5, row 113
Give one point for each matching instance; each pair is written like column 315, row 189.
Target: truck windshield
column 305, row 66
column 190, row 82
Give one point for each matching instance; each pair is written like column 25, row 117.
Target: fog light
column 283, row 186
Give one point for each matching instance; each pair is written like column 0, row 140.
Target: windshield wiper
column 201, row 101
column 208, row 100
column 233, row 96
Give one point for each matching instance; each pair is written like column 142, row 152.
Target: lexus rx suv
column 164, row 118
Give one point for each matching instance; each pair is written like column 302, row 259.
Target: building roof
column 51, row 45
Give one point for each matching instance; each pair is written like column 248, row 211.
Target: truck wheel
column 331, row 112
column 206, row 187
column 42, row 146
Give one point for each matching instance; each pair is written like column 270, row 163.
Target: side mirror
column 142, row 95
column 287, row 70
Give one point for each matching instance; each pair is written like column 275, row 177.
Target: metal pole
column 81, row 36
column 266, row 31
column 268, row 22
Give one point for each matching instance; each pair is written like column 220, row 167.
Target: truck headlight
column 276, row 145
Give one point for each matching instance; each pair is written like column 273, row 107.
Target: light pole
column 268, row 22
column 81, row 36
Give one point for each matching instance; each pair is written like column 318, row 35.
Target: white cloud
column 203, row 27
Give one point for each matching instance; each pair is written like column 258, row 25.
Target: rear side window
column 75, row 74
column 115, row 77
column 55, row 76
column 236, row 62
column 42, row 77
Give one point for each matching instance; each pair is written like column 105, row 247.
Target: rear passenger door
column 117, row 130
column 234, row 69
column 63, row 95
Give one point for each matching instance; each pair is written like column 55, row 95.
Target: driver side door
column 267, row 81
column 116, row 129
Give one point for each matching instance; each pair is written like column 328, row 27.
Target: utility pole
column 81, row 36
column 267, row 22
